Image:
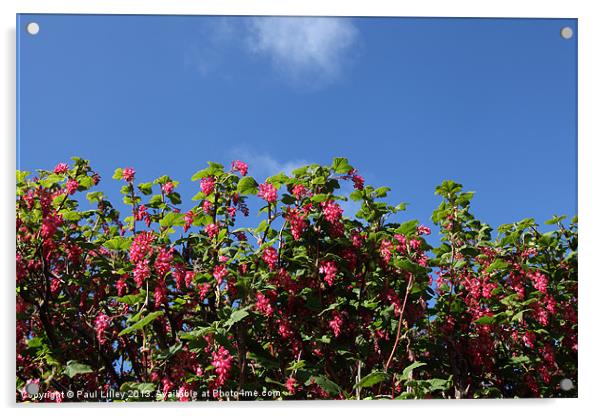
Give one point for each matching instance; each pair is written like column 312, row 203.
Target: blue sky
column 489, row 103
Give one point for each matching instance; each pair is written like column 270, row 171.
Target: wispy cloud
column 307, row 53
column 262, row 165
column 311, row 51
column 217, row 35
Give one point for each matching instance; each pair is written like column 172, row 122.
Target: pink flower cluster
column 299, row 191
column 540, row 281
column 332, row 211
column 329, row 270
column 423, row 230
column 163, row 261
column 263, row 305
column 71, row 186
column 141, row 214
column 208, row 185
column 101, row 323
column 291, row 385
column 128, row 174
column 141, row 272
column 168, row 188
column 141, row 246
column 222, row 362
column 203, row 290
column 297, row 221
column 270, row 256
column 386, row 250
column 212, row 230
column 219, row 272
column 139, row 250
column 188, row 278
column 268, row 192
column 242, row 167
column 336, row 323
column 160, row 294
column 61, row 168
column 188, row 219
column 358, row 181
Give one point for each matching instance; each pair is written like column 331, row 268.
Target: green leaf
column 247, row 185
column 498, row 264
column 381, row 192
column 71, row 215
column 236, row 316
column 118, row 243
column 341, row 165
column 199, row 175
column 155, row 202
column 373, row 378
column 131, row 299
column 297, row 365
column 328, row 385
column 319, row 198
column 172, row 219
column 146, row 188
column 263, row 225
column 299, row 171
column 332, row 306
column 175, row 198
column 213, row 170
column 74, row 368
column 408, row 228
column 408, row 369
column 141, row 323
column 356, row 195
column 439, row 384
column 85, row 182
column 21, row 175
column 50, row 180
column 118, row 174
column 485, row 320
column 141, row 387
column 198, row 196
column 520, row 359
column 95, row 196
column 35, row 342
column 277, row 180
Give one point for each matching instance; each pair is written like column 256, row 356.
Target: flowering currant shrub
column 312, row 303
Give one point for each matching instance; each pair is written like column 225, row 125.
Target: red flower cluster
column 268, row 192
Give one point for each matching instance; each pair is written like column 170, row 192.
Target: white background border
column 590, row 135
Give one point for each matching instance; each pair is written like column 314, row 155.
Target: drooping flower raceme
column 128, row 174
column 207, row 185
column 332, row 211
column 101, row 323
column 168, row 187
column 61, row 168
column 240, row 166
column 270, row 256
column 268, row 192
column 219, row 272
column 329, row 270
column 222, row 362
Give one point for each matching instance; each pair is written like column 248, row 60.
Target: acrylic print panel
column 271, row 208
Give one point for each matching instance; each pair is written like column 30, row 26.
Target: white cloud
column 308, row 50
column 207, row 55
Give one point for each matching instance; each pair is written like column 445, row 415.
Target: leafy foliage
column 312, row 303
